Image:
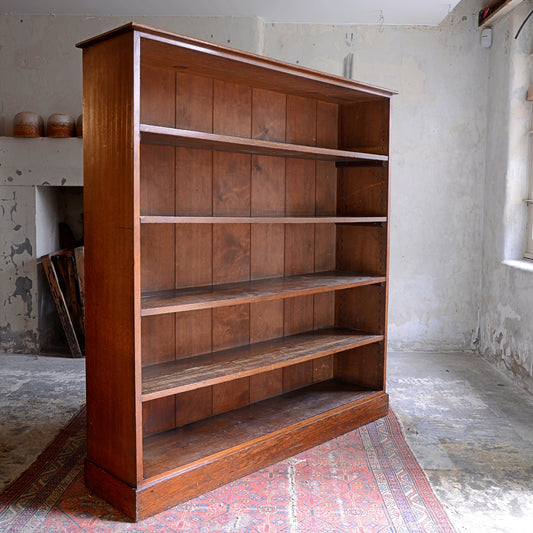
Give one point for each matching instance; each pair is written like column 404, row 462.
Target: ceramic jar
column 60, row 125
column 28, row 124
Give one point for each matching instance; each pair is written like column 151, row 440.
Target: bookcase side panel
column 362, row 248
column 111, row 255
column 365, row 126
column 363, row 191
column 363, row 366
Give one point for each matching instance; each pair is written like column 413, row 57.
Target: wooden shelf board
column 164, row 219
column 183, row 375
column 211, row 141
column 222, row 434
column 191, row 299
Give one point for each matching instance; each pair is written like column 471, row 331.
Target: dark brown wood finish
column 189, row 374
column 181, row 484
column 217, row 435
column 238, row 241
column 111, row 252
column 61, row 306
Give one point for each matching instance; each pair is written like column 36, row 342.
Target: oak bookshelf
column 236, row 262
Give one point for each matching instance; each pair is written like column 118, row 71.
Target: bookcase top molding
column 171, row 50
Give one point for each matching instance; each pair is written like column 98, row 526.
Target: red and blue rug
column 365, row 481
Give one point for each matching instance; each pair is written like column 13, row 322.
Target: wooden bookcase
column 236, row 248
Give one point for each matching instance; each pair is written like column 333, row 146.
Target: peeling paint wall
column 40, row 69
column 24, row 165
column 17, row 298
column 505, row 334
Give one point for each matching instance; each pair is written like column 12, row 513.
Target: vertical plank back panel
column 363, row 191
column 158, row 415
column 298, row 315
column 267, row 251
column 193, row 405
column 194, row 243
column 362, row 308
column 325, row 248
column 231, row 253
column 193, row 333
column 324, row 310
column 194, row 102
column 231, row 326
column 194, row 182
column 157, row 257
column 194, row 255
column 231, row 395
column 301, row 120
column 269, row 111
column 365, row 126
column 363, row 366
column 231, row 184
column 266, row 385
column 327, row 124
column 232, row 109
column 300, row 188
column 326, row 188
column 323, row 368
column 157, row 197
column 158, row 103
column 299, row 249
column 297, row 376
column 362, row 249
column 267, row 186
column 157, row 180
column 266, row 320
column 158, row 339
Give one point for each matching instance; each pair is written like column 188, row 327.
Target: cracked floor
column 470, row 428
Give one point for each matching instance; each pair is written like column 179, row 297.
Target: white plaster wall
column 438, row 142
column 506, row 310
column 437, row 162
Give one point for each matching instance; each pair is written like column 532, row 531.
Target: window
column 528, row 252
column 529, row 232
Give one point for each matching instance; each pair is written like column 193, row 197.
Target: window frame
column 528, row 253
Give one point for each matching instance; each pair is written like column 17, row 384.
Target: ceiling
column 397, row 12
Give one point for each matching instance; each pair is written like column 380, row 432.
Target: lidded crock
column 28, row 124
column 60, row 125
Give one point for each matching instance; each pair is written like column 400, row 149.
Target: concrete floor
column 470, row 428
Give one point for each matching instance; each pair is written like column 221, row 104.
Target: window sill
column 520, row 264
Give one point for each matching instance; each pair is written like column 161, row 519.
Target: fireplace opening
column 59, row 225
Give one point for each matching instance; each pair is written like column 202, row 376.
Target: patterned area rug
column 364, row 481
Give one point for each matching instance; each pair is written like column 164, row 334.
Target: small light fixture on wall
column 486, row 37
